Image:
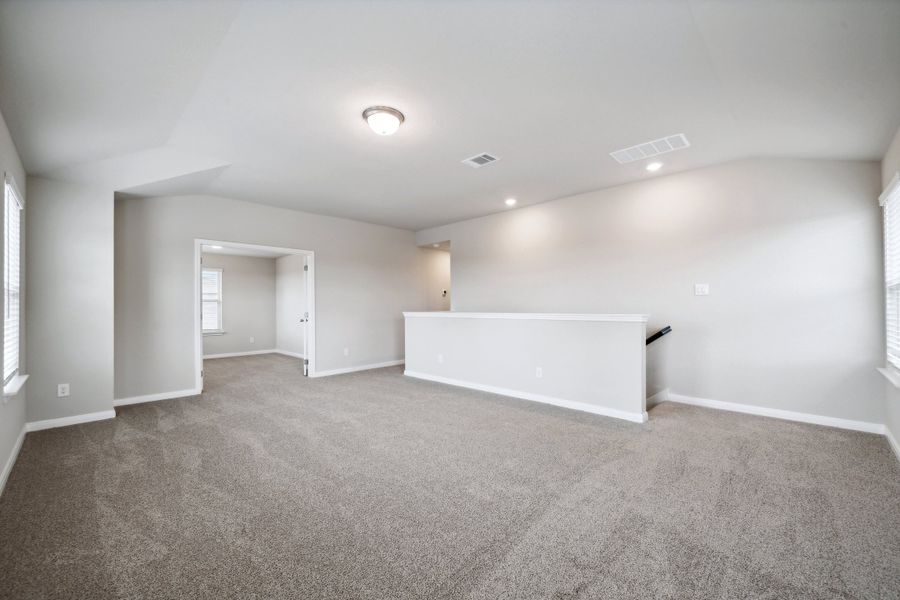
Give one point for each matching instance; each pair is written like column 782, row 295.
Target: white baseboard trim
column 390, row 363
column 571, row 404
column 777, row 413
column 292, row 354
column 155, row 397
column 13, row 455
column 73, row 420
column 233, row 354
column 892, row 441
column 660, row 396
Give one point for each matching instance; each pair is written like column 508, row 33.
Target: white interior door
column 305, row 316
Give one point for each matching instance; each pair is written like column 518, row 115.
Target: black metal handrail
column 659, row 334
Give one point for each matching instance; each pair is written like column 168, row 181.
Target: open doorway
column 436, row 264
column 253, row 299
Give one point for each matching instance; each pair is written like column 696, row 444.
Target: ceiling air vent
column 479, row 160
column 670, row 143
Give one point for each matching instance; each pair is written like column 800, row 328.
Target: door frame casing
column 310, row 277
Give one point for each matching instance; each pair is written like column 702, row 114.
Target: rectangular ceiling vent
column 479, row 160
column 670, row 143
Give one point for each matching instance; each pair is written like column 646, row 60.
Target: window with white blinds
column 12, row 220
column 211, row 289
column 890, row 200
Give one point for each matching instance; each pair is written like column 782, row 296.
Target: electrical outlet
column 440, row 358
column 701, row 289
column 252, row 340
column 62, row 390
column 346, row 351
column 539, row 373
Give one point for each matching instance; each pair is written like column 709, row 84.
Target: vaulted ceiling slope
column 261, row 100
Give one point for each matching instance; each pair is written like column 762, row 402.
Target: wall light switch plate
column 252, row 339
column 346, row 351
column 62, row 390
column 701, row 289
column 539, row 373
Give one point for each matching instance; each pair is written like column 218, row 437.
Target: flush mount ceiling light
column 383, row 120
column 654, row 167
column 216, row 247
column 510, row 201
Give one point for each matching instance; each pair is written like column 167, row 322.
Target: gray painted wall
column 889, row 167
column 366, row 275
column 69, row 325
column 248, row 307
column 790, row 248
column 12, row 410
column 290, row 303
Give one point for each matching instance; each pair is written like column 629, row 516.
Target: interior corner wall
column 436, row 278
column 791, row 250
column 290, row 303
column 248, row 305
column 12, row 409
column 366, row 276
column 890, row 166
column 69, row 310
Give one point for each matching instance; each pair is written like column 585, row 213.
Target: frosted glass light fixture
column 383, row 120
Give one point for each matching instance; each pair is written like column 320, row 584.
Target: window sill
column 892, row 374
column 206, row 333
column 15, row 384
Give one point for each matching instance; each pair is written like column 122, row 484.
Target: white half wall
column 248, row 305
column 366, row 275
column 791, row 251
column 290, row 304
column 593, row 363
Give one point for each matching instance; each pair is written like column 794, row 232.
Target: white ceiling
column 262, row 100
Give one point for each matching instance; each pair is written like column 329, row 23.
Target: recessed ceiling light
column 383, row 120
column 435, row 245
column 654, row 166
column 216, row 247
column 510, row 202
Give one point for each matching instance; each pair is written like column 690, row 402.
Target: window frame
column 890, row 201
column 219, row 301
column 9, row 186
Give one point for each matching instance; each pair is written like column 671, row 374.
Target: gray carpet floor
column 372, row 485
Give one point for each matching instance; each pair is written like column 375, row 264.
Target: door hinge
column 305, row 361
column 306, row 267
